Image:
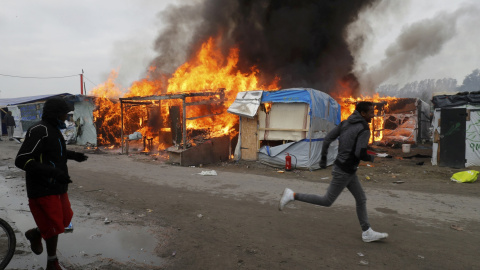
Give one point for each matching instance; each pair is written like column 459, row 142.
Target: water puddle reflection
column 91, row 241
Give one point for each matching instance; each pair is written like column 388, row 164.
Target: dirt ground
column 231, row 221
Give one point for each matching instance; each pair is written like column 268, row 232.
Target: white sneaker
column 287, row 197
column 371, row 235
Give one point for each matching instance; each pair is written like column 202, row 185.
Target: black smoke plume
column 300, row 41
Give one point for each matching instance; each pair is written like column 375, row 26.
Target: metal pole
column 184, row 123
column 121, row 130
column 81, row 83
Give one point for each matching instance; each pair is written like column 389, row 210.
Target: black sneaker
column 35, row 239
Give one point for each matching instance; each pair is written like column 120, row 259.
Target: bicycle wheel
column 7, row 243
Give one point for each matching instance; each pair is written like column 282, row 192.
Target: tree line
column 425, row 89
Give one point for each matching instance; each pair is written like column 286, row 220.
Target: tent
column 28, row 110
column 25, row 111
column 293, row 121
column 456, row 130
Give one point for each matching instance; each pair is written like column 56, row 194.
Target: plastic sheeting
column 305, row 154
column 83, row 118
column 69, row 133
column 321, row 104
column 445, row 101
column 4, row 102
column 405, row 132
column 408, row 121
column 246, row 103
column 30, row 114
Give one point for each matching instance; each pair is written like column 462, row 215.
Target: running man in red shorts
column 43, row 156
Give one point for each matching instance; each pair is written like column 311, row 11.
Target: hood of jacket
column 356, row 117
column 53, row 108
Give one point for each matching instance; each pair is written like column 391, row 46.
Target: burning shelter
column 456, row 130
column 293, row 121
column 397, row 120
column 169, row 123
column 406, row 120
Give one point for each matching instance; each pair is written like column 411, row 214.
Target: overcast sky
column 54, row 38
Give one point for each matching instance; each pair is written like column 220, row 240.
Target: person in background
column 43, row 156
column 353, row 135
column 10, row 123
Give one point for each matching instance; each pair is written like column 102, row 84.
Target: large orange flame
column 106, row 116
column 208, row 70
column 381, row 107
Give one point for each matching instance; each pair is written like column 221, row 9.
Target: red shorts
column 51, row 213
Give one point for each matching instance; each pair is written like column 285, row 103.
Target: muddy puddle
column 92, row 240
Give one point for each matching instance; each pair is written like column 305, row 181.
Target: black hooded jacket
column 43, row 154
column 353, row 135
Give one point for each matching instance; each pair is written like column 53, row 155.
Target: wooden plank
column 174, row 96
column 175, row 124
column 283, row 129
column 436, row 137
column 184, row 123
column 249, row 147
column 139, row 102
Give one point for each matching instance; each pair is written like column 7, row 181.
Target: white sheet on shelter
column 83, row 116
column 246, row 103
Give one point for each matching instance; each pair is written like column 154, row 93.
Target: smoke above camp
column 301, row 42
column 318, row 44
column 417, row 43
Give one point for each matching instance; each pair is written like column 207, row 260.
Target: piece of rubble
column 212, row 173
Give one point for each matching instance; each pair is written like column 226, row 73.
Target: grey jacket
column 9, row 120
column 353, row 135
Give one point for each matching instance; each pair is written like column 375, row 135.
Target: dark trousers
column 339, row 181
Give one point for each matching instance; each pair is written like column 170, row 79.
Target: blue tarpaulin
column 323, row 114
column 22, row 100
column 329, row 110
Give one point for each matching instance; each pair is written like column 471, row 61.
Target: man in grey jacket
column 353, row 135
column 10, row 123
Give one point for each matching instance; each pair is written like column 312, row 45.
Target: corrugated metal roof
column 22, row 100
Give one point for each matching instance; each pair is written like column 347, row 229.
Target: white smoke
column 417, row 43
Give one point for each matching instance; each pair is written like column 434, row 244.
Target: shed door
column 452, row 137
column 249, row 144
